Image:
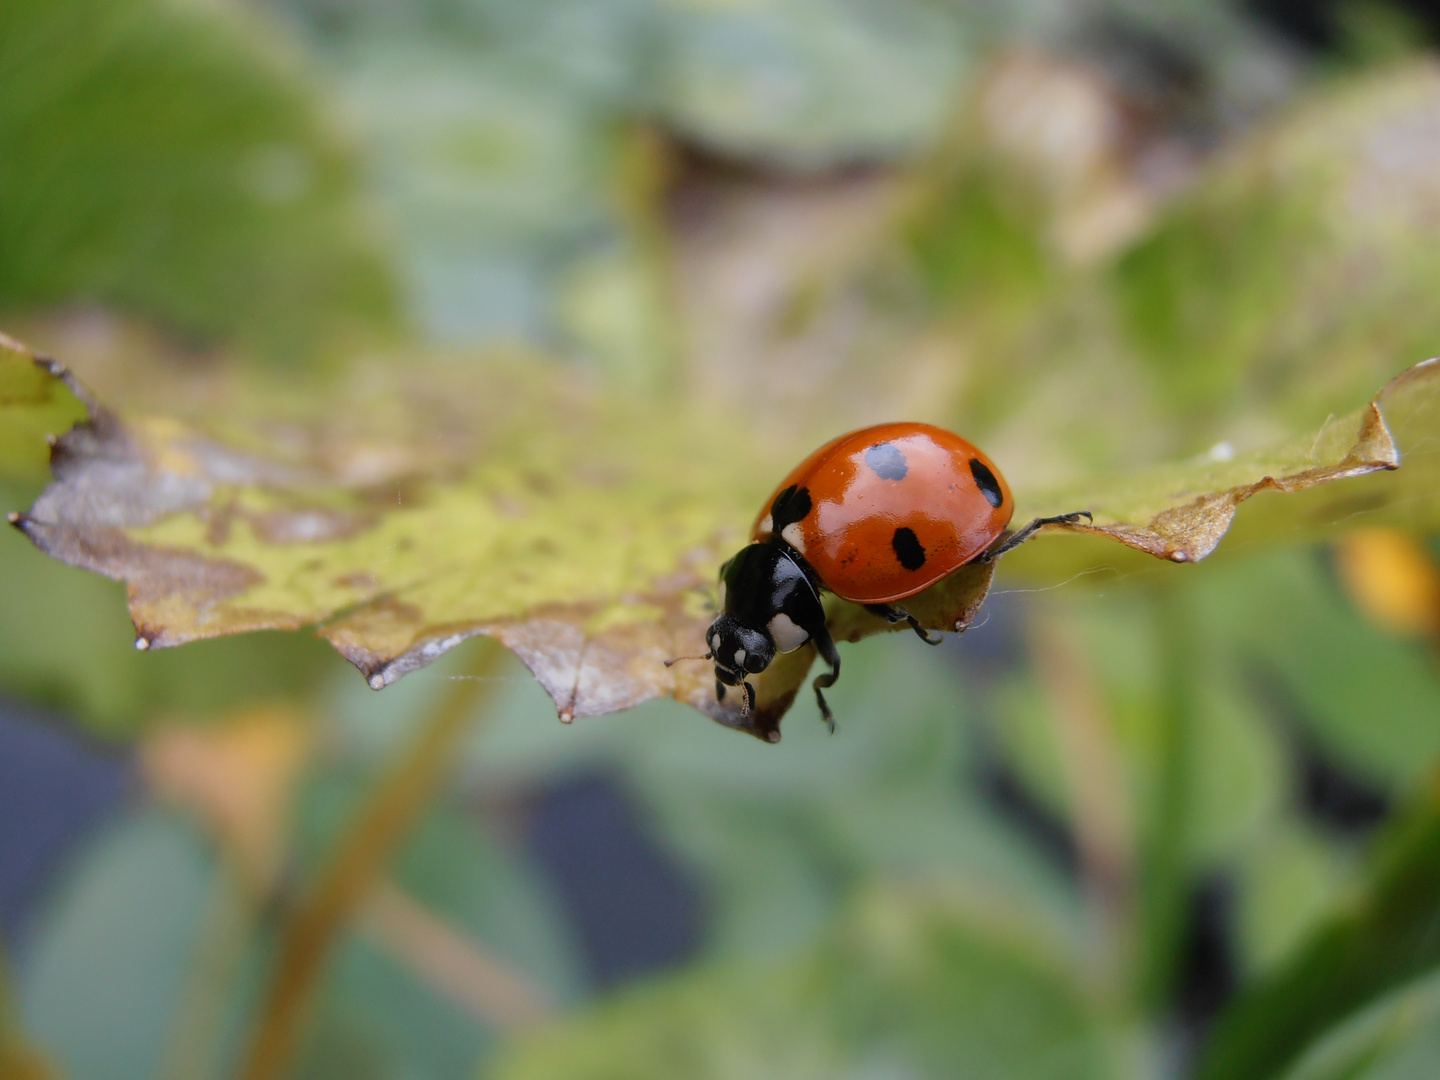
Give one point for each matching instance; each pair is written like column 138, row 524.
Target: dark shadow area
column 1005, row 793
column 55, row 786
column 633, row 909
column 1315, row 25
column 985, row 655
column 1206, row 971
column 1327, row 790
column 1334, row 797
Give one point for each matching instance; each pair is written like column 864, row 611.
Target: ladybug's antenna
column 677, row 659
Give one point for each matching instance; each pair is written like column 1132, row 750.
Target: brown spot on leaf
column 361, row 581
column 509, row 506
column 217, row 521
column 383, row 632
column 539, row 483
column 175, row 596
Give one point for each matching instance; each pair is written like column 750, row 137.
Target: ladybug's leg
column 923, row 633
column 825, row 645
column 729, row 678
column 1015, row 539
column 890, row 613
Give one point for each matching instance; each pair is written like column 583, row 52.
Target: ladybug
column 874, row 517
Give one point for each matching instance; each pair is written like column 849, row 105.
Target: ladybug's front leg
column 724, row 678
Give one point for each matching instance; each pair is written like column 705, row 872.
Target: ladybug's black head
column 767, row 605
column 738, row 651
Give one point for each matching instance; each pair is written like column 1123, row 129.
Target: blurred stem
column 18, row 1059
column 1099, row 793
column 197, row 1029
column 379, row 827
column 451, row 962
column 1164, row 879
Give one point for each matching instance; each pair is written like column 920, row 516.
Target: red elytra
column 874, row 516
column 893, row 509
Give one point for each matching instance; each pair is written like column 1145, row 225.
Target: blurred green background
column 1146, row 821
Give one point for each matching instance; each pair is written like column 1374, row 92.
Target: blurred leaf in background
column 190, row 945
column 174, row 158
column 908, row 984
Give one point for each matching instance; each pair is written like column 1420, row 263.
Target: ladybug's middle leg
column 892, row 614
column 825, row 646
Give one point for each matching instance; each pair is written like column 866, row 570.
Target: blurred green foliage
column 1385, row 942
column 1222, row 297
column 904, row 986
column 151, row 930
column 173, row 159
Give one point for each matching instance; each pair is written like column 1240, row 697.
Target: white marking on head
column 793, row 536
column 739, row 657
column 787, row 636
column 767, row 525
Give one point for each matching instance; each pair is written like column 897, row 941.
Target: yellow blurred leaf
column 238, row 777
column 1391, row 578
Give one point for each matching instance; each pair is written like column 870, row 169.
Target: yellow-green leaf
column 36, row 405
column 406, row 510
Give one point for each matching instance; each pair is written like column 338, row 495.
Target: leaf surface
column 405, row 511
column 1181, row 512
column 34, row 406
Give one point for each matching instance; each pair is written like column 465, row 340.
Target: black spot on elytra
column 887, row 462
column 790, row 506
column 907, row 549
column 986, row 482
